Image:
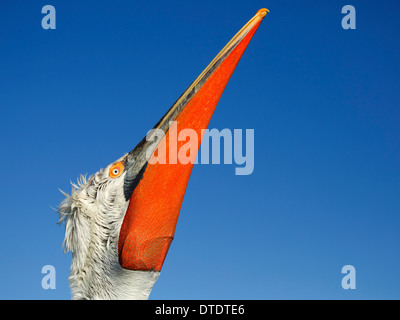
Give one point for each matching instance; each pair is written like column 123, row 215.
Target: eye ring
column 116, row 170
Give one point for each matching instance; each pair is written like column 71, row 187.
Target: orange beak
column 155, row 190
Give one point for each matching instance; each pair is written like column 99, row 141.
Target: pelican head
column 120, row 222
column 93, row 216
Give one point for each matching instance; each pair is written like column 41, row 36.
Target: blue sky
column 324, row 104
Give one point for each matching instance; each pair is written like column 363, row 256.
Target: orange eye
column 116, row 170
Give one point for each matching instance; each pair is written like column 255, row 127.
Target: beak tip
column 262, row 12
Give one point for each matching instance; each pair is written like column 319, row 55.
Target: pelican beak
column 155, row 190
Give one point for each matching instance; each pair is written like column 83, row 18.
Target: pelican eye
column 116, row 170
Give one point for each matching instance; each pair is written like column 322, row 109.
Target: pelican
column 120, row 222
